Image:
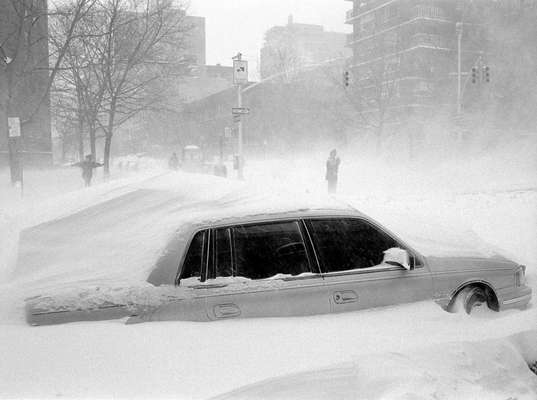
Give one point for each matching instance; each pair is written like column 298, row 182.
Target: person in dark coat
column 88, row 165
column 332, row 166
column 173, row 163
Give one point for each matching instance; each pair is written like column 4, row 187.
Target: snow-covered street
column 268, row 199
column 407, row 351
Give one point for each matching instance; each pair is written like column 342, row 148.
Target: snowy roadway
column 402, row 352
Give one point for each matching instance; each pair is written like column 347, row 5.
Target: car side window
column 265, row 250
column 195, row 259
column 347, row 243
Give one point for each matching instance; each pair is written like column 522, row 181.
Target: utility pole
column 240, row 77
column 13, row 125
column 240, row 170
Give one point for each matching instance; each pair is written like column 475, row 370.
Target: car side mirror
column 397, row 256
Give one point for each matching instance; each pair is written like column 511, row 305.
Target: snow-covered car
column 288, row 262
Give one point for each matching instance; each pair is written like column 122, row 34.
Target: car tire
column 468, row 299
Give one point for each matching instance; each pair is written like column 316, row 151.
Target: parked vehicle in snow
column 293, row 262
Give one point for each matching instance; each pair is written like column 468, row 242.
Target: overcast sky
column 239, row 25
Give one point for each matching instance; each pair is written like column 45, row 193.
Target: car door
column 350, row 253
column 264, row 270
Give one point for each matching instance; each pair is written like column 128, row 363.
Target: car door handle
column 345, row 296
column 226, row 311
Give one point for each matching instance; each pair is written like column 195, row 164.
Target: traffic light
column 346, row 78
column 474, row 74
column 486, row 73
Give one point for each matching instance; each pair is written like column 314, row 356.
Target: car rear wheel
column 469, row 299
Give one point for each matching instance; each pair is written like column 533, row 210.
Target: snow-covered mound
column 116, row 241
column 491, row 369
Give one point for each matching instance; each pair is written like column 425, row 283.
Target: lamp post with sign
column 240, row 77
column 15, row 151
column 13, row 127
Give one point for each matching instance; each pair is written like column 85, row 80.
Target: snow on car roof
column 236, row 210
column 119, row 239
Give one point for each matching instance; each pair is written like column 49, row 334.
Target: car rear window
column 195, row 259
column 265, row 250
column 347, row 243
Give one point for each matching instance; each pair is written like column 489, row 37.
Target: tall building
column 195, row 39
column 26, row 80
column 406, row 52
column 295, row 45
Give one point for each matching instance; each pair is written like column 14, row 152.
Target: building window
column 367, row 24
column 424, row 11
column 391, row 12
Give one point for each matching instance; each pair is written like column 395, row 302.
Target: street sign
column 240, row 110
column 236, row 118
column 240, row 72
column 14, row 127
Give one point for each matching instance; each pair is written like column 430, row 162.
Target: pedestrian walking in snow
column 88, row 165
column 173, row 163
column 332, row 166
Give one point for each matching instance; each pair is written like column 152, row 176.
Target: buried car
column 289, row 262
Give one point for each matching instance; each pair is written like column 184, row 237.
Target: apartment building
column 28, row 76
column 412, row 47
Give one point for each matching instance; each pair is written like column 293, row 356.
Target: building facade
column 195, row 39
column 412, row 49
column 295, row 45
column 25, row 81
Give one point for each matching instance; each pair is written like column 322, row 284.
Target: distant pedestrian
column 332, row 166
column 173, row 163
column 88, row 165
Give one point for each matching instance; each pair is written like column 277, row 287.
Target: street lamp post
column 240, row 78
column 11, row 125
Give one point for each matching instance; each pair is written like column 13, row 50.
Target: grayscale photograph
column 268, row 199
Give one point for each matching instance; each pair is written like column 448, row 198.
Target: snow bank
column 188, row 360
column 110, row 233
column 493, row 369
column 9, row 234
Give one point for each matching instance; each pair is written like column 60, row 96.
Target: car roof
column 268, row 209
column 249, row 218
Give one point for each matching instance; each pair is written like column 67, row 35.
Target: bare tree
column 372, row 89
column 118, row 63
column 142, row 45
column 78, row 88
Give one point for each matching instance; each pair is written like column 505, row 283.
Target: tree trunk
column 108, row 140
column 107, row 147
column 93, row 139
column 64, row 148
column 80, row 143
column 80, row 130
